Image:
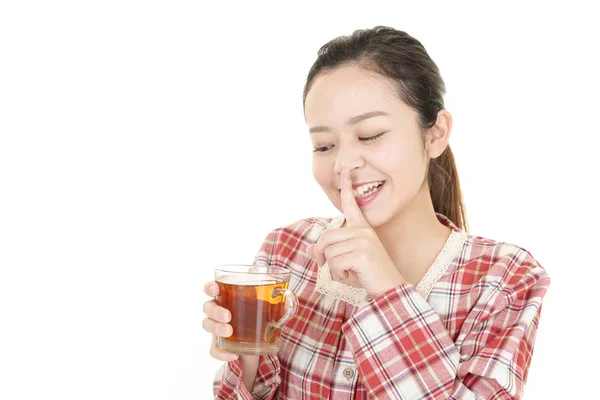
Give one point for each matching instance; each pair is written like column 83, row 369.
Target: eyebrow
column 351, row 121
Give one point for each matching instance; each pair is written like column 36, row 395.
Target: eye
column 321, row 149
column 369, row 138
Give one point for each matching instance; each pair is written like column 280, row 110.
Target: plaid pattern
column 472, row 338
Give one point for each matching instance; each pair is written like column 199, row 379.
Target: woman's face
column 337, row 110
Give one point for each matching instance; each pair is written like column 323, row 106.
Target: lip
column 363, row 201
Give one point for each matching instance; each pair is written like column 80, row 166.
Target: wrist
column 249, row 370
column 388, row 284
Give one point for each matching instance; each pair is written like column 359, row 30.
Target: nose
column 348, row 157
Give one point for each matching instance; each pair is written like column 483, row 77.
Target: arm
column 403, row 350
column 250, row 367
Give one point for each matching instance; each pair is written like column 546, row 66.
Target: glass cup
column 260, row 303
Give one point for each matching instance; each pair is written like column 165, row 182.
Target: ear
column 438, row 135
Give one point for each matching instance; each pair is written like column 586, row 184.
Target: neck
column 414, row 238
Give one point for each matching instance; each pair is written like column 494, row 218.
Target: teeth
column 361, row 190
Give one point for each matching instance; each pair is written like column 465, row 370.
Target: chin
column 379, row 216
column 376, row 218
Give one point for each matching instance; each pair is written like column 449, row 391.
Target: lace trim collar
column 359, row 296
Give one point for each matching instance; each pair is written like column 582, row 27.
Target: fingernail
column 225, row 316
column 225, row 331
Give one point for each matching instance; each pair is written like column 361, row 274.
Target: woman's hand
column 217, row 323
column 354, row 253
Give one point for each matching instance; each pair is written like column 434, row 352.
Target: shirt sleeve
column 228, row 383
column 403, row 350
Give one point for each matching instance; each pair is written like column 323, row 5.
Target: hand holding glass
column 260, row 303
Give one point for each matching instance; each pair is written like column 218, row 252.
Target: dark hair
column 397, row 55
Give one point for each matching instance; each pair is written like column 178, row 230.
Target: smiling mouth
column 366, row 189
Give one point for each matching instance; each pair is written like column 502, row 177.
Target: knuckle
column 207, row 307
column 333, row 262
column 364, row 241
column 318, row 249
column 324, row 238
column 207, row 325
column 367, row 233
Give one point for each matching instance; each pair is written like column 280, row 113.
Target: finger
column 221, row 355
column 216, row 312
column 331, row 237
column 338, row 265
column 216, row 328
column 312, row 252
column 211, row 289
column 347, row 277
column 339, row 249
column 318, row 255
column 351, row 210
column 341, row 269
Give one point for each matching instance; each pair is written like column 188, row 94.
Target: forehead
column 342, row 93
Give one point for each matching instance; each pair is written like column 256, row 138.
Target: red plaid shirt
column 470, row 337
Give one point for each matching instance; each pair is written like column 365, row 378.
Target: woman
column 396, row 299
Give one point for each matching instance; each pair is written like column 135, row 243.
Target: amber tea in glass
column 260, row 303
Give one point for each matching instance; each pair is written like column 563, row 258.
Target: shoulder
column 296, row 236
column 307, row 226
column 305, row 229
column 507, row 265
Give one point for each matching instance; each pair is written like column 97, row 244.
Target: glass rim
column 247, row 269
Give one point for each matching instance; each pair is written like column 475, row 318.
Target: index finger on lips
column 352, row 212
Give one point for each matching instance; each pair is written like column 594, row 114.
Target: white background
column 142, row 143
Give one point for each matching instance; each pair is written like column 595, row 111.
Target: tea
column 256, row 304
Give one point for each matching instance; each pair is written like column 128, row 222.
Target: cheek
column 390, row 159
column 398, row 160
column 322, row 172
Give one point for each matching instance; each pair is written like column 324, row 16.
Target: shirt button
column 369, row 298
column 349, row 373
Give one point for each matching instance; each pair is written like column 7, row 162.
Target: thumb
column 320, row 257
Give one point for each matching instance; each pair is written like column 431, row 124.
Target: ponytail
column 444, row 187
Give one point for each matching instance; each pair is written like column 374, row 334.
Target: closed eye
column 367, row 139
column 321, row 149
column 362, row 139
